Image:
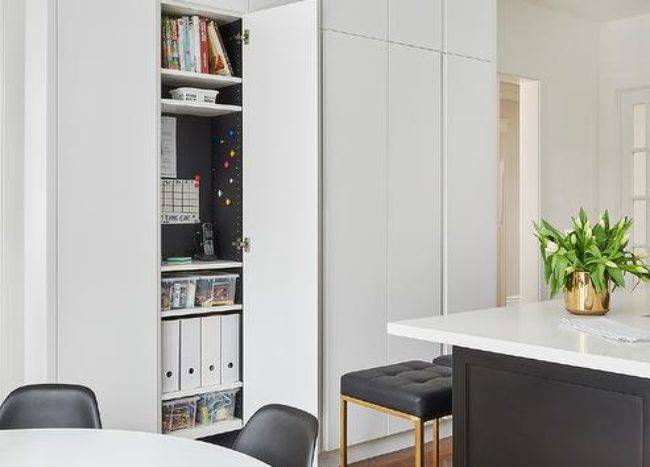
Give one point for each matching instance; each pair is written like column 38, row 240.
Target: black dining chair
column 280, row 436
column 50, row 406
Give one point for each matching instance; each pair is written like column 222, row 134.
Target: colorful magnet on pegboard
column 230, row 180
column 228, row 201
column 219, row 193
column 233, row 153
column 197, row 180
column 226, row 164
column 231, row 133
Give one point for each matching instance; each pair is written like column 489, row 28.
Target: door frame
column 530, row 277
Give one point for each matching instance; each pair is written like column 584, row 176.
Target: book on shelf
column 180, row 23
column 203, row 34
column 219, row 63
column 187, row 44
column 194, row 44
column 174, row 61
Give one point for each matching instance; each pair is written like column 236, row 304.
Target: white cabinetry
column 471, row 167
column 471, row 28
column 108, row 222
column 414, row 198
column 355, row 136
column 361, row 17
column 416, row 22
column 409, row 161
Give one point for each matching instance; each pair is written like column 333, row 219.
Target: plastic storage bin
column 179, row 414
column 216, row 406
column 208, row 96
column 216, row 289
column 177, row 293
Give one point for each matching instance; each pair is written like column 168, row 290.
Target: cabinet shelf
column 203, row 390
column 200, row 266
column 197, row 80
column 199, row 109
column 184, row 8
column 209, row 430
column 199, row 311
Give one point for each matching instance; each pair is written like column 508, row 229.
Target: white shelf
column 183, row 8
column 171, row 106
column 200, row 266
column 202, row 431
column 196, row 391
column 197, row 80
column 199, row 310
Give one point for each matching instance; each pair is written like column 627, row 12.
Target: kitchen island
column 529, row 392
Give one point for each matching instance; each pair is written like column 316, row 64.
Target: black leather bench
column 417, row 391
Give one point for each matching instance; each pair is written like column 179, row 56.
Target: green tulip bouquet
column 600, row 250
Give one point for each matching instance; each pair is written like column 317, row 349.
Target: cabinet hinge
column 244, row 37
column 243, row 244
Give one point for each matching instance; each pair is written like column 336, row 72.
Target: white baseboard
column 385, row 445
column 513, row 299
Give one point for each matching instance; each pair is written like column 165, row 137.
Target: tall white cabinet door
column 414, row 198
column 414, row 194
column 471, row 28
column 416, row 22
column 107, row 225
column 362, row 17
column 471, row 199
column 355, row 158
column 281, row 207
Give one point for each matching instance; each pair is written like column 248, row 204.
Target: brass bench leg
column 343, row 432
column 437, row 423
column 419, row 443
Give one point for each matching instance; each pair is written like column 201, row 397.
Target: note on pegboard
column 180, row 201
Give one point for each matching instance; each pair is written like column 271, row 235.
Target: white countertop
column 533, row 331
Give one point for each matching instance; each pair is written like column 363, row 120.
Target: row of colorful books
column 193, row 43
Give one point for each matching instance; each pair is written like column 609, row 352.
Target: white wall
column 561, row 51
column 12, row 87
column 624, row 63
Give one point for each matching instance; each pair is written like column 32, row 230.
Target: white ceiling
column 598, row 10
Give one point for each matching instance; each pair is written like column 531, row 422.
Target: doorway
column 518, row 266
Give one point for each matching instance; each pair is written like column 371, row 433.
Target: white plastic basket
column 206, row 96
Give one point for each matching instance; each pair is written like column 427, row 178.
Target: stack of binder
column 200, row 352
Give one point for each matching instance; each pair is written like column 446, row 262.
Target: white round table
column 112, row 448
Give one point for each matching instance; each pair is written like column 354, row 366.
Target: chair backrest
column 280, row 436
column 50, row 406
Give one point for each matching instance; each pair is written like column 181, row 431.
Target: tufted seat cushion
column 444, row 360
column 418, row 388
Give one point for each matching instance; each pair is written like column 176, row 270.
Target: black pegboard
column 193, row 157
column 227, row 183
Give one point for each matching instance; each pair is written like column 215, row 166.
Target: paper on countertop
column 607, row 329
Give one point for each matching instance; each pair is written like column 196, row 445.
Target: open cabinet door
column 281, row 207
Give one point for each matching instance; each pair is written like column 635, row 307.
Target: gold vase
column 581, row 298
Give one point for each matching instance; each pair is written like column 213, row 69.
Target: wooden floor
column 405, row 458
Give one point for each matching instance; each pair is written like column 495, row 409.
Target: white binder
column 170, row 355
column 210, row 350
column 190, row 353
column 229, row 349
